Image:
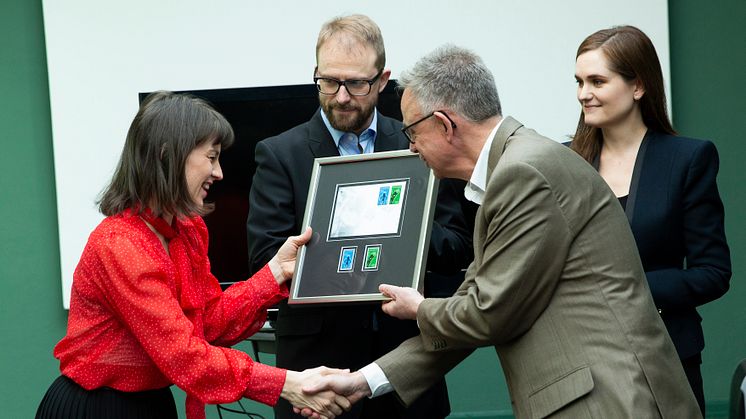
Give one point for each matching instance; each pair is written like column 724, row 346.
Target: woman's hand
column 324, row 404
column 282, row 264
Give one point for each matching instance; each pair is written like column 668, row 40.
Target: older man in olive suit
column 556, row 285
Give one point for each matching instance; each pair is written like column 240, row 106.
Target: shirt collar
column 367, row 138
column 474, row 190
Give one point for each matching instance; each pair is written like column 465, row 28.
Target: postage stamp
column 383, row 195
column 372, row 257
column 347, row 259
column 395, row 195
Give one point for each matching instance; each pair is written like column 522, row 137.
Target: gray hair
column 455, row 78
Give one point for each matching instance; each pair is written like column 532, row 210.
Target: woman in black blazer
column 666, row 183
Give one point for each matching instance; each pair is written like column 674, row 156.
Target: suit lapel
column 386, row 143
column 634, row 183
column 319, row 139
column 389, row 136
column 508, row 127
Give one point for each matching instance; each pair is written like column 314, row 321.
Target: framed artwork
column 371, row 216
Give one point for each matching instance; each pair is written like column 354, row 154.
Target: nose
column 412, row 147
column 584, row 93
column 217, row 171
column 343, row 96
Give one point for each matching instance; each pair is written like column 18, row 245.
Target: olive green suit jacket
column 558, row 289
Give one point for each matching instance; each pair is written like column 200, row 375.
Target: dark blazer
column 676, row 216
column 341, row 335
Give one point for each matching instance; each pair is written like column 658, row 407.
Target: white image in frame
column 368, row 209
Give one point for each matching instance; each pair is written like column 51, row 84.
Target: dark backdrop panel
column 255, row 114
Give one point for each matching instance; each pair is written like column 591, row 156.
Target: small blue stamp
column 383, row 195
column 347, row 259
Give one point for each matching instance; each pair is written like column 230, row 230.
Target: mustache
column 346, row 107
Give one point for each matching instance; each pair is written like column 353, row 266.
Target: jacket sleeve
column 139, row 293
column 232, row 315
column 235, row 314
column 708, row 267
column 412, row 370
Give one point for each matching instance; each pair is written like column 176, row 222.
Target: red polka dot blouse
column 142, row 318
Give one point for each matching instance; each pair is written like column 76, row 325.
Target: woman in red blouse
column 145, row 311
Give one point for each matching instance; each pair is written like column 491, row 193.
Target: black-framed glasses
column 330, row 86
column 408, row 129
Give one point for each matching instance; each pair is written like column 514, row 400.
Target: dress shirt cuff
column 377, row 381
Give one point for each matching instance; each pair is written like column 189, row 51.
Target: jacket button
column 439, row 344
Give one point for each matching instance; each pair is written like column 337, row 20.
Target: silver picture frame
column 371, row 216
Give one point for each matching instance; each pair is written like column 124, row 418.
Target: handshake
column 324, row 393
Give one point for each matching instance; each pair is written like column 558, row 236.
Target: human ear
column 385, row 75
column 639, row 90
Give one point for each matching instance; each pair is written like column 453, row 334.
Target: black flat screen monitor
column 255, row 114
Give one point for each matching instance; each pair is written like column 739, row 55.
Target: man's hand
column 404, row 301
column 324, row 404
column 351, row 385
column 282, row 264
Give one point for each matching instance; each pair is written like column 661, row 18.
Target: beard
column 348, row 122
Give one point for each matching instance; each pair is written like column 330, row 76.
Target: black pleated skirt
column 67, row 400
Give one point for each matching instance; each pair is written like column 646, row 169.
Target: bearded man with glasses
column 350, row 74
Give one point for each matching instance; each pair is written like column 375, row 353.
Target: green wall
column 708, row 57
column 708, row 62
column 31, row 314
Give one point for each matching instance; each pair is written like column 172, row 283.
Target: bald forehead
column 343, row 59
column 346, row 45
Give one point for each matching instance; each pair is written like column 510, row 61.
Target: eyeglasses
column 329, row 86
column 408, row 129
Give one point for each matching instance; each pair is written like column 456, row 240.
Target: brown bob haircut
column 151, row 171
column 631, row 54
